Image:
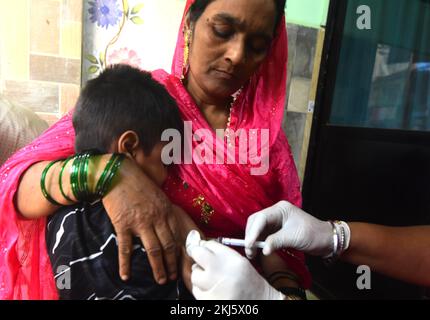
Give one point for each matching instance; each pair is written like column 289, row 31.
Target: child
column 122, row 111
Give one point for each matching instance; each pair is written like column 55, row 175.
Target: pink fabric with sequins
column 232, row 192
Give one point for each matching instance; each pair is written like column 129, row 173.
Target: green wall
column 309, row 13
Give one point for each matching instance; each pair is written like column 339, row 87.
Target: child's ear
column 129, row 143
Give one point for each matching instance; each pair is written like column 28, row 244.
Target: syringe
column 238, row 242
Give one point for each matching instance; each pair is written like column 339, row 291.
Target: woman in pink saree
column 249, row 62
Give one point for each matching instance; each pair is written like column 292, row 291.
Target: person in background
column 18, row 127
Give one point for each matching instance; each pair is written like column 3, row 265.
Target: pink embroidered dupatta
column 25, row 269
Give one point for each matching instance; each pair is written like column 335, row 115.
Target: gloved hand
column 221, row 273
column 292, row 227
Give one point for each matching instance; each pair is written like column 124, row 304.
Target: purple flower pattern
column 105, row 12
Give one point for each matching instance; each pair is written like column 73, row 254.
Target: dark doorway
column 369, row 156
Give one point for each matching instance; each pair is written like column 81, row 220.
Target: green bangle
column 60, row 180
column 79, row 176
column 83, row 181
column 103, row 178
column 74, row 177
column 43, row 186
column 118, row 162
column 108, row 174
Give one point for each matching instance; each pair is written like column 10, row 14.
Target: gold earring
column 187, row 41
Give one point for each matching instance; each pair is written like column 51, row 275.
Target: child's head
column 124, row 110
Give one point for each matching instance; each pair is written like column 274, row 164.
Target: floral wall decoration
column 137, row 32
column 110, row 13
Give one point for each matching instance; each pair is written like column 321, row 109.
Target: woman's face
column 230, row 41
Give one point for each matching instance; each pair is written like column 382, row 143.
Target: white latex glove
column 221, row 273
column 291, row 227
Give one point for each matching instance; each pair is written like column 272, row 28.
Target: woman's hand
column 136, row 206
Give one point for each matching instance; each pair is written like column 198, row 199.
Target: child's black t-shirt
column 82, row 247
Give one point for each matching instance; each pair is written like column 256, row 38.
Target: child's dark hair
column 123, row 98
